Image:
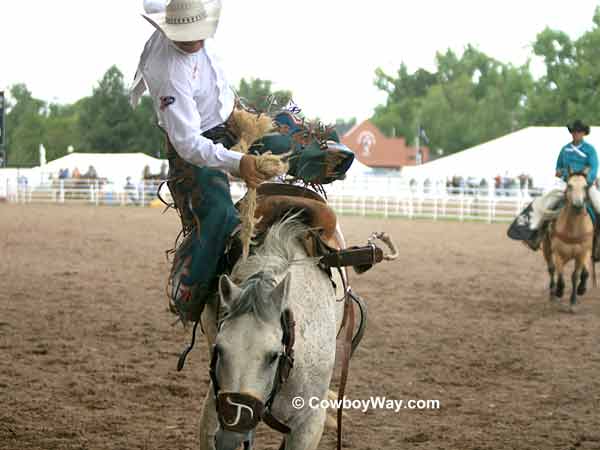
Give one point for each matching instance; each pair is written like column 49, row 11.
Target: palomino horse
column 571, row 238
column 273, row 292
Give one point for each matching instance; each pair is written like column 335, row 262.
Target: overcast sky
column 325, row 51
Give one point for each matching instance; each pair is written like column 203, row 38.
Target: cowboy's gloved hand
column 249, row 172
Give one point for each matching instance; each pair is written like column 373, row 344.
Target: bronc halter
column 241, row 412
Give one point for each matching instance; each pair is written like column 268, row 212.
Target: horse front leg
column 547, row 249
column 582, row 288
column 574, row 280
column 560, row 284
column 308, row 434
column 208, row 419
column 578, row 274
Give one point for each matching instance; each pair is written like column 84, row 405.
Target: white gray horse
column 247, row 343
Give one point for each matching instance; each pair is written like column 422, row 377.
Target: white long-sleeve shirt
column 190, row 96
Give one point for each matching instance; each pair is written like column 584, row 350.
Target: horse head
column 577, row 188
column 250, row 353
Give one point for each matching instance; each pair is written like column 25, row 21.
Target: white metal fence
column 381, row 197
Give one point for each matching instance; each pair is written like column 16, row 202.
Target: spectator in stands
column 413, row 185
column 427, row 186
column 146, row 174
column 22, row 182
column 91, row 173
column 76, row 173
column 522, row 181
column 164, row 171
column 130, row 191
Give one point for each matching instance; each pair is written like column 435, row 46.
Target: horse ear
column 228, row 290
column 570, row 171
column 281, row 291
column 586, row 170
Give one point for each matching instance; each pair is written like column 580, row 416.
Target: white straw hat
column 187, row 20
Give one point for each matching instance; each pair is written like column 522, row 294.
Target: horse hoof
column 581, row 291
column 572, row 309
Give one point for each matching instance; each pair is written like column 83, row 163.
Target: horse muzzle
column 239, row 412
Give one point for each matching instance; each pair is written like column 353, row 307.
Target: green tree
column 62, row 130
column 148, row 138
column 406, row 92
column 258, row 94
column 342, row 126
column 468, row 99
column 569, row 88
column 25, row 127
column 105, row 118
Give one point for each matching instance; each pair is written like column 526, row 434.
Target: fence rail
column 461, row 204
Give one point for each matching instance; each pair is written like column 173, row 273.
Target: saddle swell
column 278, row 200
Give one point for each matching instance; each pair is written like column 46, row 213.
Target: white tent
column 357, row 169
column 114, row 166
column 531, row 151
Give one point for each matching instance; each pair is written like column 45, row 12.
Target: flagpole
column 418, row 144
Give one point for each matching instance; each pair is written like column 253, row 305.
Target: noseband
column 241, row 412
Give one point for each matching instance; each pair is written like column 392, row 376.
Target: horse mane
column 257, row 275
column 276, row 253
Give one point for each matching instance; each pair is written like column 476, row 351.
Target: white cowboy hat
column 187, row 20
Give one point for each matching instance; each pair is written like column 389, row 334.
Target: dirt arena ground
column 88, row 352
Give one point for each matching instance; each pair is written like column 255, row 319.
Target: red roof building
column 372, row 148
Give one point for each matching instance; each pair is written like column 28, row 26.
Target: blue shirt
column 577, row 157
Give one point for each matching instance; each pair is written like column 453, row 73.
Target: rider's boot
column 536, row 239
column 596, row 247
column 187, row 300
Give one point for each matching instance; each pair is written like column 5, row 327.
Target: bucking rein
column 359, row 257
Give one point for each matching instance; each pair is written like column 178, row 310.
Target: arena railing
column 383, row 198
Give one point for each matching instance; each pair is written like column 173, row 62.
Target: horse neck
column 574, row 222
column 271, row 263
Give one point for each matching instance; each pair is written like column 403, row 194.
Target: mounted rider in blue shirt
column 575, row 157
